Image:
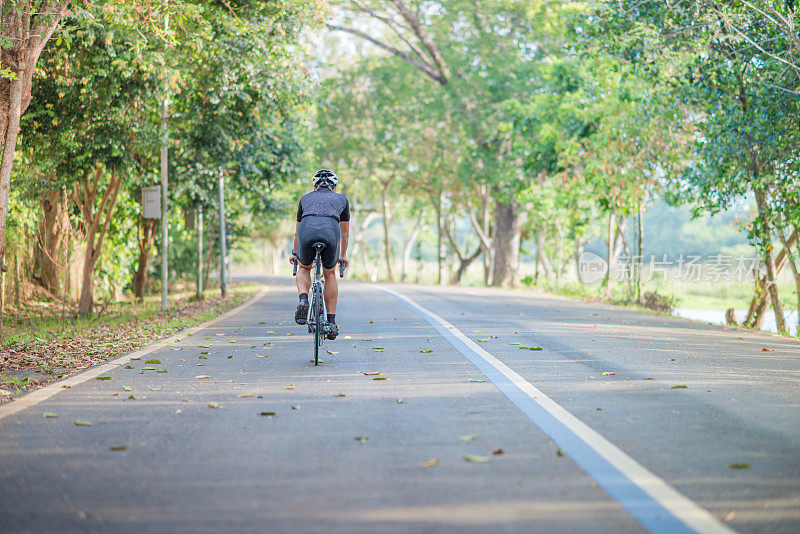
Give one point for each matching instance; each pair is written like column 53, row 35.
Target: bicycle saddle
column 319, row 246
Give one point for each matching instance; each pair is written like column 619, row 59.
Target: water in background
column 718, row 317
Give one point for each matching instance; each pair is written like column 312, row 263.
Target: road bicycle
column 317, row 321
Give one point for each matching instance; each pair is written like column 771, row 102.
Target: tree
column 475, row 58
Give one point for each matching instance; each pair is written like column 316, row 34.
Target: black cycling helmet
column 325, row 178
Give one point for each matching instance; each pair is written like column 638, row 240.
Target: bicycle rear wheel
column 317, row 322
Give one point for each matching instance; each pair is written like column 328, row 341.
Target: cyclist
column 322, row 216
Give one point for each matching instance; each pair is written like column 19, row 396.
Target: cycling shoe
column 301, row 314
column 333, row 330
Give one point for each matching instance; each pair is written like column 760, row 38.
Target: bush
column 662, row 303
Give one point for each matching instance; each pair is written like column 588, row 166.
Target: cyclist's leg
column 330, row 255
column 303, row 279
column 331, row 290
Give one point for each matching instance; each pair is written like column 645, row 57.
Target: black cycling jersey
column 324, row 203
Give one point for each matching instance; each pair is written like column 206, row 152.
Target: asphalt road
column 589, row 432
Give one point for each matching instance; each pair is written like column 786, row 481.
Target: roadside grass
column 40, row 350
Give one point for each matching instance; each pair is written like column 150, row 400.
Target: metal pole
column 200, row 252
column 164, row 208
column 223, row 285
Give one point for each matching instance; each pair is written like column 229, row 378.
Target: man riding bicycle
column 323, row 216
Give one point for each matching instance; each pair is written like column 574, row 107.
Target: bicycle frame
column 316, row 320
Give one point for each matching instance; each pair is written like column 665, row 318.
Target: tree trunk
column 147, row 231
column 639, row 252
column 84, row 195
column 10, row 130
column 772, row 282
column 407, row 250
column 796, row 275
column 758, row 305
column 52, row 231
column 611, row 253
column 464, row 264
column 439, row 238
column 505, row 242
column 387, row 246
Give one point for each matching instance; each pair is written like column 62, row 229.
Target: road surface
column 470, row 432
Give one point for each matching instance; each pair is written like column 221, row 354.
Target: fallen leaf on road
column 380, row 378
column 132, row 397
column 475, row 459
column 332, row 351
column 244, row 395
column 479, row 331
column 372, row 373
column 238, row 329
column 128, row 367
column 765, row 349
column 348, row 337
column 201, row 377
column 468, row 437
column 497, row 452
column 260, row 356
column 220, row 334
column 253, row 346
column 82, row 423
column 425, row 351
column 262, row 322
column 608, row 373
column 267, row 414
column 493, row 337
column 180, row 348
column 515, row 343
column 484, row 340
column 339, row 395
column 49, row 415
column 148, row 368
column 135, row 359
column 477, row 380
column 399, row 401
column 430, row 463
column 230, row 357
column 361, row 439
column 559, row 452
column 378, row 348
column 295, row 407
column 318, row 361
column 529, row 348
column 127, row 388
column 202, row 357
column 679, row 386
column 739, row 466
column 204, row 352
column 117, row 448
column 202, row 347
column 161, row 371
column 155, row 388
column 213, row 404
column 104, row 378
column 268, row 332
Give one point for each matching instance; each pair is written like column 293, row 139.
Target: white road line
column 39, row 395
column 512, row 384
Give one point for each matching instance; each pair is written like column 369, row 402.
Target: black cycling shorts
column 314, row 229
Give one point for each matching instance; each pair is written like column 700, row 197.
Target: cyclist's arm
column 294, row 248
column 345, row 228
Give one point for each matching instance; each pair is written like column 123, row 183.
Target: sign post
column 222, row 246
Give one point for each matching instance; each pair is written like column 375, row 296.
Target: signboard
column 151, row 202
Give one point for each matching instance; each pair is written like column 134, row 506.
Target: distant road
column 622, row 422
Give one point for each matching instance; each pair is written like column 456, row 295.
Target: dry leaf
column 475, row 459
column 430, row 463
